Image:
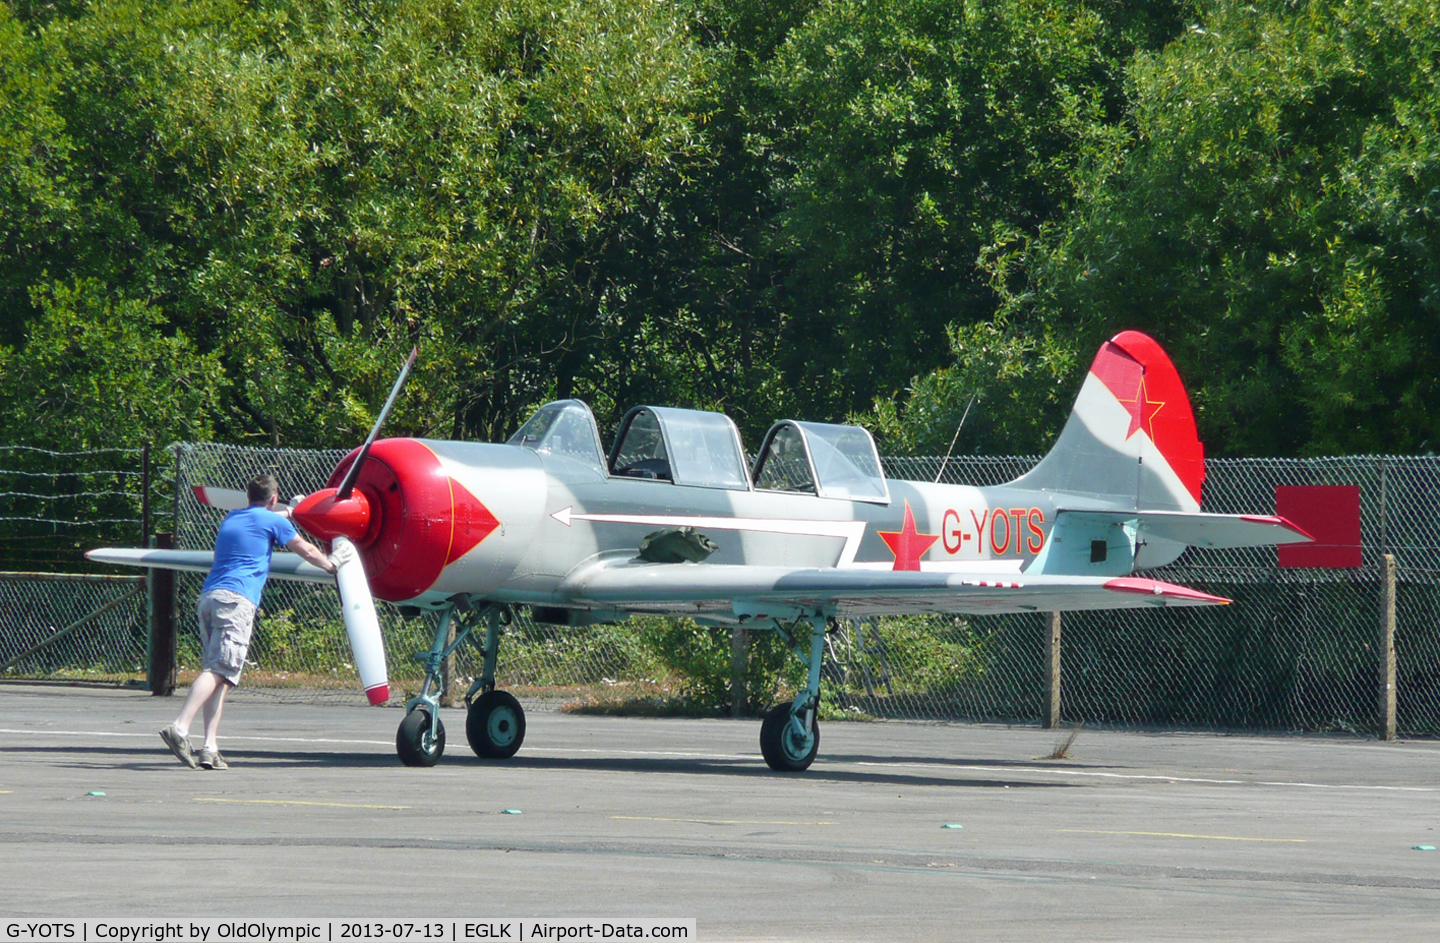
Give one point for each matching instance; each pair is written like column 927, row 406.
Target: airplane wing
column 283, row 566
column 713, row 589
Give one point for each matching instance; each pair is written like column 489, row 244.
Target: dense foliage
column 231, row 219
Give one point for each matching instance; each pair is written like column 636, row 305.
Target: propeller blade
column 228, row 499
column 347, row 483
column 362, row 624
column 222, row 499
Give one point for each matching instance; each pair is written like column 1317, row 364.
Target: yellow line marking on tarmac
column 339, row 805
column 657, row 818
column 1101, row 831
column 6, row 791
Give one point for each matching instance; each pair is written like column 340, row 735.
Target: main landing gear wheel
column 414, row 742
column 783, row 750
column 495, row 725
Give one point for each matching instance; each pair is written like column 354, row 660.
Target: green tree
column 1006, row 394
column 34, row 166
column 1273, row 223
column 98, row 371
column 306, row 189
column 912, row 136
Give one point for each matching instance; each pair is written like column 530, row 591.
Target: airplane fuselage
column 523, row 522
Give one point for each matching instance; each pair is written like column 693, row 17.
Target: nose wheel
column 420, row 741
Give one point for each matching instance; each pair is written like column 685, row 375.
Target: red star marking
column 907, row 544
column 1142, row 411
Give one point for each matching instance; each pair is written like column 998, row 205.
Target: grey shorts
column 226, row 620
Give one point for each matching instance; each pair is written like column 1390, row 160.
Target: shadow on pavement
column 144, row 757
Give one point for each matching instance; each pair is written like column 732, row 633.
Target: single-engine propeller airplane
column 671, row 521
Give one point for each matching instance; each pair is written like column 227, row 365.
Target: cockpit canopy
column 703, row 450
column 822, row 459
column 686, row 446
column 566, row 429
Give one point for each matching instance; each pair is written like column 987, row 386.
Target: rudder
column 1131, row 434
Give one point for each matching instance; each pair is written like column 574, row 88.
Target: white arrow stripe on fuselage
column 850, row 531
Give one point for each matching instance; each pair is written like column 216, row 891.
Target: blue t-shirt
column 242, row 551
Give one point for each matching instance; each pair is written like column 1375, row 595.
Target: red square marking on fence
column 1330, row 514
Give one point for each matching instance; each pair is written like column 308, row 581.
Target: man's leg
column 202, row 690
column 176, row 736
column 213, row 705
column 206, row 681
column 226, row 621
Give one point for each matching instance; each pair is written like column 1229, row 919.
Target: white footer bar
column 342, row 930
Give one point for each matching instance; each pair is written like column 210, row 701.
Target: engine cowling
column 414, row 512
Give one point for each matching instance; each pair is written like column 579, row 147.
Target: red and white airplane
column 671, row 521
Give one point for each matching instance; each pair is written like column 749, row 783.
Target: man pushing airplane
column 811, row 531
column 226, row 609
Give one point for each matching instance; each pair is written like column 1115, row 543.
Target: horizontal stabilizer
column 1217, row 531
column 1212, row 531
column 283, row 566
column 1115, row 542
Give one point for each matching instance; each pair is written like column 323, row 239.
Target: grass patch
column 1062, row 748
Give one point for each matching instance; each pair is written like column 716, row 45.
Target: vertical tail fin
column 1131, row 434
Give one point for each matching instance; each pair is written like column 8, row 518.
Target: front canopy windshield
column 640, row 451
column 686, row 446
column 565, row 428
column 846, row 462
column 784, row 463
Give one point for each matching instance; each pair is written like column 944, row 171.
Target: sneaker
column 211, row 759
column 179, row 745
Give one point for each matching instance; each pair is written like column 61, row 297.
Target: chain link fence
column 74, row 627
column 56, row 505
column 1296, row 650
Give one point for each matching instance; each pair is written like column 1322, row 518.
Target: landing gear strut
column 494, row 720
column 790, row 733
column 494, row 723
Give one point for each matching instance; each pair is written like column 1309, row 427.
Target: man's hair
column 262, row 488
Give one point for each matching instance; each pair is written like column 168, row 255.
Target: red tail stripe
column 1142, row 378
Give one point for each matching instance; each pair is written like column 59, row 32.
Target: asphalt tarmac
column 1138, row 836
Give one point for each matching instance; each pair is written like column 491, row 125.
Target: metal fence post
column 175, row 499
column 145, row 496
column 160, row 646
column 1052, row 663
column 739, row 648
column 1387, row 647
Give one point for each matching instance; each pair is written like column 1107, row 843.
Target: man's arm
column 310, row 553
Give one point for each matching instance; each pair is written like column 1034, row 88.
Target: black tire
column 495, row 725
column 779, row 748
column 413, row 743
